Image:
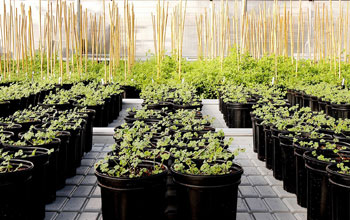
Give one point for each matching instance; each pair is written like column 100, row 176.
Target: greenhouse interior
column 174, row 110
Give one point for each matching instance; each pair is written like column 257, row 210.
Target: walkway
column 261, row 197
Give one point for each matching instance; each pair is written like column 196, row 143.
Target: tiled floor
column 260, row 195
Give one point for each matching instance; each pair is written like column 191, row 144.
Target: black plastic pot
column 63, row 158
column 340, row 192
column 255, row 135
column 83, row 135
column 15, row 191
column 290, row 97
column 31, row 100
column 300, row 169
column 314, row 105
column 260, row 139
column 299, row 98
column 38, row 185
column 329, row 109
column 268, row 147
column 341, row 111
column 204, row 197
column 14, row 105
column 130, row 92
column 306, row 100
column 99, row 115
column 62, row 164
column 108, row 110
column 133, row 198
column 318, row 193
column 4, row 108
column 89, row 129
column 220, row 103
column 114, row 106
column 224, row 111
column 120, row 101
column 288, row 163
column 23, row 103
column 322, row 106
column 54, row 165
column 74, row 157
column 239, row 115
column 277, row 154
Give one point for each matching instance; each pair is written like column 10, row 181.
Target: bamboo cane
column 67, row 31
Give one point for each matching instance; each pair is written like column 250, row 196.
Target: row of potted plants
column 54, row 142
column 332, row 100
column 43, row 145
column 163, row 161
column 236, row 102
column 180, row 96
column 308, row 151
column 106, row 100
column 19, row 96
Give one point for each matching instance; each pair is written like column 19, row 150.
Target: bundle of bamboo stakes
column 61, row 40
column 320, row 35
column 159, row 23
column 177, row 32
column 272, row 31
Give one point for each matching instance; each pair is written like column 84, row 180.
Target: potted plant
column 128, row 183
column 339, row 180
column 214, row 182
column 39, row 157
column 318, row 193
column 15, row 181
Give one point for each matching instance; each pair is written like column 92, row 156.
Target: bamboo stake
column 40, row 36
column 340, row 36
column 86, row 40
column 291, row 32
column 298, row 39
column 159, row 22
column 67, row 31
column 60, row 41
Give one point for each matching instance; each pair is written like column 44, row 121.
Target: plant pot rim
column 29, row 165
column 239, row 171
column 331, row 169
column 102, row 175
